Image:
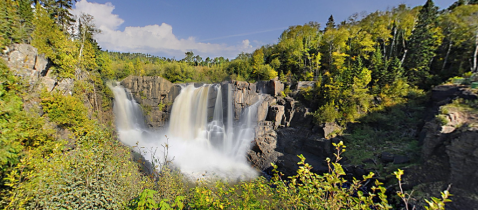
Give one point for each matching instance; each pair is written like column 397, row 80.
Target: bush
column 66, row 111
column 327, row 113
column 96, row 174
column 305, row 190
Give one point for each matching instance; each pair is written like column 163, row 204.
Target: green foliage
column 442, row 119
column 161, row 106
column 327, row 113
column 144, row 200
column 50, row 40
column 10, row 106
column 66, row 111
column 96, row 174
column 19, row 129
column 426, row 38
column 308, row 190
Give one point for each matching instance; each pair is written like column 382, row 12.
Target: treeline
column 362, row 63
column 192, row 68
column 58, row 155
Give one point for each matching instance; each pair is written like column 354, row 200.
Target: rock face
column 450, row 152
column 25, row 62
column 155, row 94
column 285, row 128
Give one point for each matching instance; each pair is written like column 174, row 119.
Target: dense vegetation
column 60, row 153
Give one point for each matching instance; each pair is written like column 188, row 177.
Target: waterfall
column 214, row 147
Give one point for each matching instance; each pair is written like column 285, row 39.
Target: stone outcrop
column 305, row 84
column 25, row 62
column 155, row 94
column 449, row 152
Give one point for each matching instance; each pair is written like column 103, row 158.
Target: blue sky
column 214, row 28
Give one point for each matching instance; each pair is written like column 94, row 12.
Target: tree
column 424, row 41
column 56, row 46
column 59, row 10
column 87, row 51
column 330, row 23
column 9, row 22
column 462, row 26
column 25, row 14
column 105, row 65
column 189, row 57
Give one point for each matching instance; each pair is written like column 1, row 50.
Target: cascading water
column 200, row 146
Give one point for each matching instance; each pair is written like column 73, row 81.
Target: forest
column 367, row 63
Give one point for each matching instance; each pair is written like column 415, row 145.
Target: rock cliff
column 284, row 129
column 25, row 62
column 450, row 150
column 156, row 96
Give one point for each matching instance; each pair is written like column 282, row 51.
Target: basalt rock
column 449, row 152
column 285, row 126
column 276, row 115
column 155, row 94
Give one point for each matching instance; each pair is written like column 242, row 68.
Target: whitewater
column 199, row 147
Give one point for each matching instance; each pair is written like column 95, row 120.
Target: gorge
column 202, row 137
column 237, row 120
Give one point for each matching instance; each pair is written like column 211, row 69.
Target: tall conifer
column 425, row 40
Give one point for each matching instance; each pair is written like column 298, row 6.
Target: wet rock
column 155, row 94
column 263, row 109
column 263, row 151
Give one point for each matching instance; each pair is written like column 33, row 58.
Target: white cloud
column 153, row 39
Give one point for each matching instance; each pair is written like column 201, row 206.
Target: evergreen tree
column 49, row 39
column 425, row 40
column 59, row 10
column 25, row 13
column 330, row 23
column 9, row 22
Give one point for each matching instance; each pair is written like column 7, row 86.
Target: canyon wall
column 285, row 128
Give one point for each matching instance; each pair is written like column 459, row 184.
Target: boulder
column 329, row 129
column 387, row 157
column 400, row 159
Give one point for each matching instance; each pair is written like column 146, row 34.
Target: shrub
column 66, row 111
column 96, row 174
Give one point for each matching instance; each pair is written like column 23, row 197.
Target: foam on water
column 200, row 147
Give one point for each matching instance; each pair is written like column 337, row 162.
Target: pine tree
column 48, row 39
column 25, row 13
column 9, row 22
column 424, row 41
column 330, row 23
column 59, row 10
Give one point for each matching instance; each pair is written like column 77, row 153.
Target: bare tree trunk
column 446, row 56
column 96, row 98
column 393, row 41
column 475, row 55
column 403, row 58
column 82, row 46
